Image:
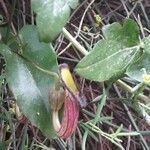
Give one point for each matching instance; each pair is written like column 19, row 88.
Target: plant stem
column 75, row 42
column 84, row 139
column 54, row 74
column 137, row 90
column 126, row 87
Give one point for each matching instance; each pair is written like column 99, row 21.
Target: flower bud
column 68, row 95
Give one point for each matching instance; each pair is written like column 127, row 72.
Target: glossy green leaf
column 52, row 15
column 102, row 63
column 30, row 86
column 137, row 69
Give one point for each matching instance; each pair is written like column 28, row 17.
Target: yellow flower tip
column 146, row 79
column 67, row 77
column 97, row 19
column 85, row 29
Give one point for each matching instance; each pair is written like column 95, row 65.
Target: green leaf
column 38, row 52
column 30, row 88
column 52, row 15
column 109, row 67
column 126, row 35
column 109, row 57
column 137, row 69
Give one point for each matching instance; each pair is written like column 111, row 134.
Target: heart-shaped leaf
column 52, row 15
column 108, row 58
column 126, row 35
column 40, row 53
column 30, row 85
column 137, row 69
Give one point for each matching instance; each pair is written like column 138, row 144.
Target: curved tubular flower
column 69, row 96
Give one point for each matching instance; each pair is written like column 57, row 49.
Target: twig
column 62, row 145
column 80, row 26
column 129, row 139
column 144, row 13
column 124, row 5
column 74, row 41
column 5, row 9
column 23, row 14
column 113, row 125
